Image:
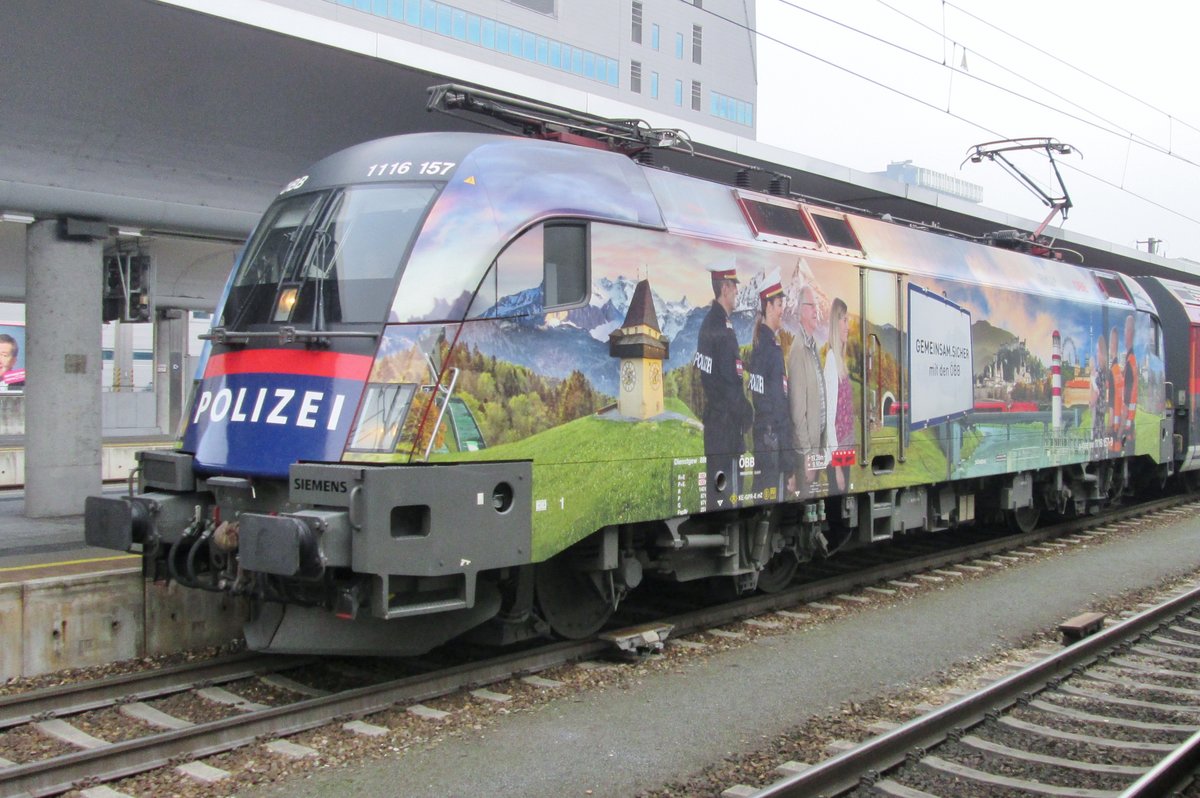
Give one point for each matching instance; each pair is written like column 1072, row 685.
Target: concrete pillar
column 62, row 390
column 170, row 374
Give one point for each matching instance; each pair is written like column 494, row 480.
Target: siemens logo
column 320, row 485
column 281, row 406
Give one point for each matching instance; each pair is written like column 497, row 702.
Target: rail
column 877, row 755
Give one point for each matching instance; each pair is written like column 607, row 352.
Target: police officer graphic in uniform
column 774, row 457
column 727, row 412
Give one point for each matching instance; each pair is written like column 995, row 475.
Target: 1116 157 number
column 428, row 168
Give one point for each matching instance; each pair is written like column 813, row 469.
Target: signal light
column 126, row 291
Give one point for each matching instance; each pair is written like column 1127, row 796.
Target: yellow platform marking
column 70, row 562
column 123, row 445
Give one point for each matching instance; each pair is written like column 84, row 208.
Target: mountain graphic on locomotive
column 482, row 385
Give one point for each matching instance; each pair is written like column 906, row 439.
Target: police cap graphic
column 723, row 271
column 772, row 289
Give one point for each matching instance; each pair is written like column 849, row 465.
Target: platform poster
column 12, row 357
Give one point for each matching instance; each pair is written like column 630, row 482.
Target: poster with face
column 12, row 357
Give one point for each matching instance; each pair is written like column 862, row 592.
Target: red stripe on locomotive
column 334, row 365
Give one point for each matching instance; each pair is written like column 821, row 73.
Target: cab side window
column 512, row 286
column 565, row 260
column 544, row 268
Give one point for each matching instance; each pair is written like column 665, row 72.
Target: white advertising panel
column 939, row 357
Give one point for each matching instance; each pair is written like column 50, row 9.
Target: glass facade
column 446, row 20
column 731, row 108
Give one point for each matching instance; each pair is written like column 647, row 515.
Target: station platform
column 64, row 604
column 33, row 548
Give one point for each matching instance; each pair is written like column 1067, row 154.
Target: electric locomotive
column 485, row 385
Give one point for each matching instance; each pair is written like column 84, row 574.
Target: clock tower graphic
column 642, row 348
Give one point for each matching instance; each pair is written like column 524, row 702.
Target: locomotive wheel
column 778, row 572
column 1023, row 519
column 569, row 599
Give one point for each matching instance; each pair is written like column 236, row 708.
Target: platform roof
column 183, row 119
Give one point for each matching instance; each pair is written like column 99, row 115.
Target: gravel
column 26, row 744
column 1190, row 703
column 943, row 784
column 1067, row 749
column 25, row 684
column 1003, row 765
column 1113, row 731
column 111, row 725
column 189, row 706
column 1117, row 711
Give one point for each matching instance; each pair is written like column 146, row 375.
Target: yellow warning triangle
column 470, row 180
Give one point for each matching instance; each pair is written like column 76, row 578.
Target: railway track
column 99, row 694
column 300, row 705
column 1116, row 715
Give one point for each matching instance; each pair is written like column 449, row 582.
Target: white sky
column 1147, row 49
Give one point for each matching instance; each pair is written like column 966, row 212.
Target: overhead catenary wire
column 851, row 72
column 1069, row 65
column 1131, row 138
column 979, row 54
column 1114, row 128
column 951, row 113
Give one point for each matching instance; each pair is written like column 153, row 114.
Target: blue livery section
column 257, row 412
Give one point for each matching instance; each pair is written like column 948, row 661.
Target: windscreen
column 325, row 258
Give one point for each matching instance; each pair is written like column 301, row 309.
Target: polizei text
column 283, row 406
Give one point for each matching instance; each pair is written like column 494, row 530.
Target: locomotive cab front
column 333, row 469
column 257, row 500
